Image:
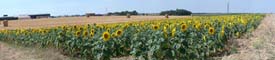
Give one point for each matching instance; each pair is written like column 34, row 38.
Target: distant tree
column 134, row 12
column 5, row 15
column 176, row 12
column 124, row 13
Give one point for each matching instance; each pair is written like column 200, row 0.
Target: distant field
column 52, row 22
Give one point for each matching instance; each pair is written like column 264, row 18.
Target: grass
column 258, row 44
column 32, row 53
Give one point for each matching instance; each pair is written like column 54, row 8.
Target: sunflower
column 204, row 38
column 92, row 30
column 113, row 35
column 222, row 32
column 77, row 33
column 108, row 29
column 119, row 32
column 230, row 24
column 238, row 34
column 155, row 27
column 63, row 27
column 165, row 32
column 197, row 26
column 138, row 30
column 183, row 27
column 164, row 29
column 211, row 30
column 60, row 33
column 125, row 26
column 85, row 33
column 173, row 32
column 44, row 32
column 91, row 34
column 106, row 36
column 167, row 25
column 80, row 28
column 207, row 25
column 17, row 32
column 75, row 27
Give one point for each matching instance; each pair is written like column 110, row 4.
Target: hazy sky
column 63, row 7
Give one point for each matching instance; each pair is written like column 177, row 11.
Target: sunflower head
column 165, row 32
column 183, row 27
column 206, row 25
column 44, row 32
column 63, row 27
column 80, row 28
column 211, row 30
column 155, row 27
column 222, row 32
column 85, row 33
column 125, row 26
column 92, row 31
column 77, row 33
column 197, row 26
column 167, row 25
column 164, row 29
column 75, row 27
column 106, row 36
column 108, row 29
column 173, row 32
column 92, row 34
column 238, row 34
column 119, row 32
column 60, row 33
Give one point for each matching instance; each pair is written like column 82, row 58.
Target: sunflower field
column 198, row 37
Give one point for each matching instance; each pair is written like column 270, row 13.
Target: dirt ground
column 12, row 52
column 52, row 22
column 259, row 46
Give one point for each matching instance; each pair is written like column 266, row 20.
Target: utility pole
column 228, row 6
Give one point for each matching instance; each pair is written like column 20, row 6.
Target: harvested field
column 52, row 22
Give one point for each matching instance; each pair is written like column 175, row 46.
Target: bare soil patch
column 12, row 52
column 259, row 45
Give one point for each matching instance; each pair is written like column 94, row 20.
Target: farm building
column 38, row 16
column 22, row 17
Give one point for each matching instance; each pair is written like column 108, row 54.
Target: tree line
column 169, row 12
column 124, row 13
column 176, row 12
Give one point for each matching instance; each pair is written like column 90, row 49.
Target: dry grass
column 259, row 46
column 52, row 22
column 13, row 52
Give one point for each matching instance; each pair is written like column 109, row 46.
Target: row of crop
column 188, row 38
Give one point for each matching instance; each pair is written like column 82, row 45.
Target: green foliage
column 149, row 40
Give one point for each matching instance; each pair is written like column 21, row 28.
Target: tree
column 5, row 15
column 124, row 13
column 176, row 12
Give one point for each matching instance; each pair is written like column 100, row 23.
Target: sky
column 71, row 7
